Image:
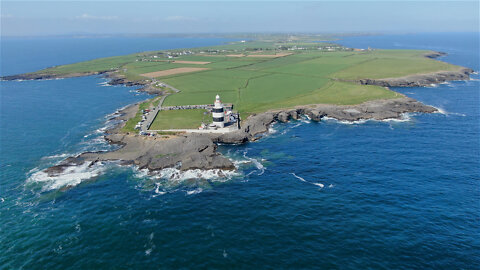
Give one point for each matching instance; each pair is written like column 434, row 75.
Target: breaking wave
column 64, row 155
column 404, row 117
column 171, row 180
column 104, row 84
column 446, row 113
column 195, row 191
column 256, row 163
column 70, row 177
column 174, row 174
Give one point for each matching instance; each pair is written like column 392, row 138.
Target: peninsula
column 262, row 80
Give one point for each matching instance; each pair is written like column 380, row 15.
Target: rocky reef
column 419, row 80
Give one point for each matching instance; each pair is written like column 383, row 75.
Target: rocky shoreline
column 198, row 151
column 419, row 80
column 48, row 76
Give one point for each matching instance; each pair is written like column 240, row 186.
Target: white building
column 218, row 113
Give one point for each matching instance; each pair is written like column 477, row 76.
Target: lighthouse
column 218, row 113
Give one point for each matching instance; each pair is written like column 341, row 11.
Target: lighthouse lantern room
column 218, row 113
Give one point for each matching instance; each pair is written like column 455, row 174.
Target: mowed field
column 179, row 119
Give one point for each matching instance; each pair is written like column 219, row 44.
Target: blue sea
column 329, row 195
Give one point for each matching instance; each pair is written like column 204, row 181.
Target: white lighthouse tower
column 218, row 113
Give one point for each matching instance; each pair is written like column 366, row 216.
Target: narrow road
column 171, row 87
column 145, row 125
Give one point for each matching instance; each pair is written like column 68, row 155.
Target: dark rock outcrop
column 188, row 152
column 420, row 79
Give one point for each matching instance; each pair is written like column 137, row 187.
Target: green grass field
column 311, row 75
column 179, row 119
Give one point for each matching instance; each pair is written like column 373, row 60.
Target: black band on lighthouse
column 219, row 110
column 218, row 119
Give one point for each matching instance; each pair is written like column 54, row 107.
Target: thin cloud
column 179, row 19
column 6, row 16
column 86, row 16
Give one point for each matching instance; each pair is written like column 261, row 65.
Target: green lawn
column 179, row 119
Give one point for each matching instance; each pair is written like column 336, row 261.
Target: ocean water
column 395, row 194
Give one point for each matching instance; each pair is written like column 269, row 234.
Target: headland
column 267, row 81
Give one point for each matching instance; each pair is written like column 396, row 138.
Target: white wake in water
column 313, row 183
column 446, row 113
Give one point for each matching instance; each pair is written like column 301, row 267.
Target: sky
column 43, row 18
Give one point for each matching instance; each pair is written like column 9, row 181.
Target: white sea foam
column 357, row 122
column 303, row 180
column 441, row 111
column 174, row 174
column 105, row 83
column 237, row 163
column 171, row 180
column 255, row 162
column 195, row 191
column 272, row 130
column 298, row 177
column 157, row 190
column 446, row 113
column 404, row 117
column 71, row 176
column 318, row 184
column 361, row 121
column 64, row 155
column 305, row 119
column 34, row 170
